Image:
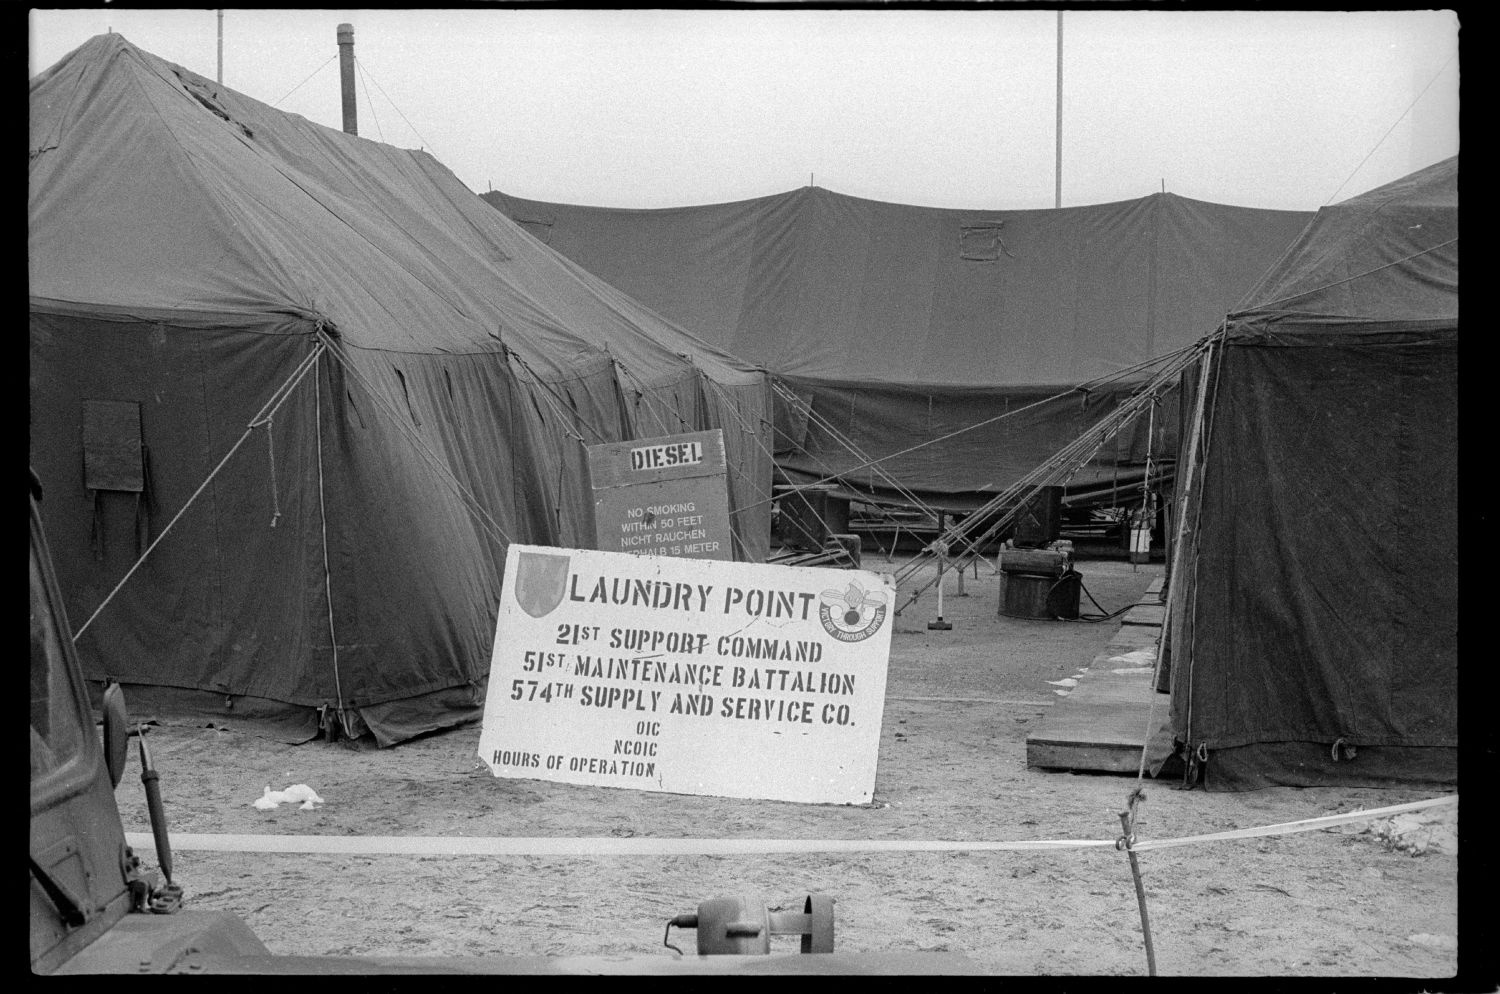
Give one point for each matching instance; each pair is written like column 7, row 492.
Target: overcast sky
column 943, row 108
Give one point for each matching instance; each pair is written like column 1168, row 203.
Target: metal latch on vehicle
column 744, row 925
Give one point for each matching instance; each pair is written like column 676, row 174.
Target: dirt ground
column 1365, row 901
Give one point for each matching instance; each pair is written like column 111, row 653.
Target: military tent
column 1314, row 605
column 897, row 329
column 361, row 382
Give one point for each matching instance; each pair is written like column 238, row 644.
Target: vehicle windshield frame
column 67, row 699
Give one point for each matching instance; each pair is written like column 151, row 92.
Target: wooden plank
column 977, row 700
column 1102, row 725
column 1145, row 614
column 1128, row 639
column 1073, row 756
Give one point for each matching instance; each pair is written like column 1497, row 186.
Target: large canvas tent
column 1315, row 607
column 902, row 328
column 383, row 381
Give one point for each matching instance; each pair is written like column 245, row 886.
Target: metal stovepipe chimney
column 346, row 77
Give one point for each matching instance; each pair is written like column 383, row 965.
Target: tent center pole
column 333, row 637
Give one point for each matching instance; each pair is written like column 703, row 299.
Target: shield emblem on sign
column 541, row 580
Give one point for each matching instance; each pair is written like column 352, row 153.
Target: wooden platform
column 1104, row 723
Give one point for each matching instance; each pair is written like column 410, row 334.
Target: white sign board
column 688, row 676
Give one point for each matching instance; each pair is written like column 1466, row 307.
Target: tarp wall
column 901, row 324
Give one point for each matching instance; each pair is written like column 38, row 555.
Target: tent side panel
column 415, row 568
column 745, row 415
column 1326, row 588
column 230, row 600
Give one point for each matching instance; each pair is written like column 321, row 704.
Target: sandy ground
column 1378, row 899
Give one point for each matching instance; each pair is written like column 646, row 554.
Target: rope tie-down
column 269, row 423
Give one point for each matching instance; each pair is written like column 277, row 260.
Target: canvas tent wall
column 900, row 325
column 422, row 377
column 1315, row 610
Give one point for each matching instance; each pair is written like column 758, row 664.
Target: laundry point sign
column 688, row 676
column 662, row 496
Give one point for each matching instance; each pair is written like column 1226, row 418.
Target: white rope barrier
column 1306, row 825
column 598, row 846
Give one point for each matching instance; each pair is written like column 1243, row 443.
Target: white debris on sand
column 1140, row 657
column 1433, row 941
column 1136, row 661
column 296, row 792
column 1064, row 682
column 1417, row 832
column 1414, row 832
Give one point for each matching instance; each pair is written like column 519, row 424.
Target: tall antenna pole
column 1059, row 109
column 221, row 46
column 346, row 77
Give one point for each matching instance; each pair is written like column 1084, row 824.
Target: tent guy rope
column 1357, row 276
column 839, row 437
column 797, row 403
column 1085, row 387
column 1066, row 460
column 486, row 522
column 278, row 397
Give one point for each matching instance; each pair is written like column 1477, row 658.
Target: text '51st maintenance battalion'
column 688, row 676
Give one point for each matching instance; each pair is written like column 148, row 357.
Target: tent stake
column 1127, row 843
column 941, row 548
